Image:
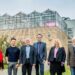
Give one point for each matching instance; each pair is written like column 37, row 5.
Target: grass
column 5, row 66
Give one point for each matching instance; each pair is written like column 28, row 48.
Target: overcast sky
column 63, row 7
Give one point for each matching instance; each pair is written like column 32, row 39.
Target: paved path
column 4, row 72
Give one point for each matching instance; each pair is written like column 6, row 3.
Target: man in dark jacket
column 27, row 57
column 71, row 57
column 41, row 55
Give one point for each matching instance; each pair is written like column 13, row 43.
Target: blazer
column 71, row 56
column 42, row 51
column 60, row 57
column 32, row 55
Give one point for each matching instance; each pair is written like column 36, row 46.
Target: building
column 22, row 25
column 70, row 28
column 34, row 19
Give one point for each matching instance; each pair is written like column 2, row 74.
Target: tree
column 3, row 43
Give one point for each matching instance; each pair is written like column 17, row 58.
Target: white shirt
column 27, row 52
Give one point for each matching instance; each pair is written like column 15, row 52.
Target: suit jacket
column 42, row 51
column 32, row 55
column 60, row 57
column 71, row 56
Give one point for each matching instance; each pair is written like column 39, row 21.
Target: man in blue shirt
column 27, row 57
column 41, row 54
column 12, row 57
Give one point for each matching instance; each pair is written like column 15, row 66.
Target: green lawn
column 5, row 66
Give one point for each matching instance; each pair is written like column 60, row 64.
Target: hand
column 21, row 65
column 7, row 62
column 44, row 61
column 33, row 65
column 17, row 65
column 68, row 66
column 62, row 63
column 48, row 63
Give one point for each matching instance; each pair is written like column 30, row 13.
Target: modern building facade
column 49, row 23
column 48, row 18
column 34, row 19
column 71, row 27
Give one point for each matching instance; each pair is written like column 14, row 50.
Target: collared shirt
column 39, row 45
column 55, row 52
column 27, row 52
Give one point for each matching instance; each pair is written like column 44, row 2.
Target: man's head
column 73, row 40
column 13, row 41
column 28, row 41
column 39, row 37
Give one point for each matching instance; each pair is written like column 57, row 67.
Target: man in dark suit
column 71, row 56
column 27, row 57
column 40, row 54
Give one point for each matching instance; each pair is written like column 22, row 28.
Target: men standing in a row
column 12, row 57
column 27, row 57
column 40, row 54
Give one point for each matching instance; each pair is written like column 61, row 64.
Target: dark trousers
column 53, row 73
column 1, row 65
column 55, row 67
column 27, row 67
column 39, row 66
